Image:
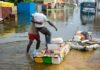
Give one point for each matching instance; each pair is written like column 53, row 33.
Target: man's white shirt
column 39, row 17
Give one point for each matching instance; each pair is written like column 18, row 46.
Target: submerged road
column 13, row 54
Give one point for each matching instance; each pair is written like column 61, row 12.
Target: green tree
column 16, row 1
column 11, row 1
column 27, row 0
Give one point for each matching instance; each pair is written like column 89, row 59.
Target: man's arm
column 52, row 25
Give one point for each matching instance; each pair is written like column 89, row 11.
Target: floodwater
column 13, row 42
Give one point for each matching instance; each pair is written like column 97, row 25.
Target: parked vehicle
column 88, row 8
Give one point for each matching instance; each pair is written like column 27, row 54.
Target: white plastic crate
column 53, row 46
column 56, row 60
column 57, row 40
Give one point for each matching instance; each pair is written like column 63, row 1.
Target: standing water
column 13, row 54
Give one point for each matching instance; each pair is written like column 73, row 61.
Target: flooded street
column 13, row 54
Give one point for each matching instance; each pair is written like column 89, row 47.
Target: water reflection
column 23, row 27
column 22, row 24
column 60, row 14
column 8, row 27
column 87, row 19
column 92, row 23
column 96, row 26
column 13, row 54
column 64, row 19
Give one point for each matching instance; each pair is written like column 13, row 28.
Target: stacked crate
column 52, row 58
column 54, row 55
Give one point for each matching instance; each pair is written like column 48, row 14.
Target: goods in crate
column 86, row 42
column 52, row 55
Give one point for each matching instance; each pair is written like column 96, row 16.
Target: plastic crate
column 38, row 59
column 56, row 60
column 47, row 60
column 53, row 58
column 24, row 19
column 26, row 8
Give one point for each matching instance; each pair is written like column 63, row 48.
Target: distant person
column 44, row 8
column 39, row 20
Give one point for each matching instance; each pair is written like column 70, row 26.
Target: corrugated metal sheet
column 5, row 12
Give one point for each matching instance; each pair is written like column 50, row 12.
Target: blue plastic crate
column 26, row 8
column 24, row 18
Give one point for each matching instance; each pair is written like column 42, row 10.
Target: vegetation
column 27, row 0
column 16, row 1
